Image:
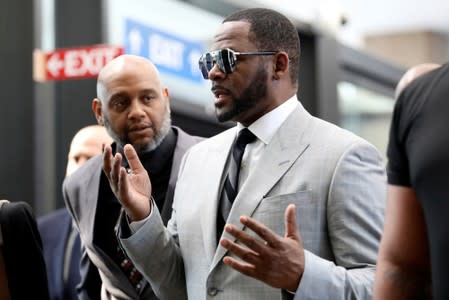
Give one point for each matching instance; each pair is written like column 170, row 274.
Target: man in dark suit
column 62, row 254
column 61, row 242
column 134, row 107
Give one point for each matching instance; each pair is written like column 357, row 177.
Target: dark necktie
column 230, row 186
column 134, row 276
column 126, row 265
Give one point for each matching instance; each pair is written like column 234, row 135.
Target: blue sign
column 171, row 54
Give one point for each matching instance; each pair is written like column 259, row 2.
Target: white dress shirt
column 264, row 129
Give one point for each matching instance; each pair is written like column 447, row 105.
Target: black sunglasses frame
column 226, row 59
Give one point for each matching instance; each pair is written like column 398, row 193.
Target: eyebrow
column 118, row 94
column 142, row 92
column 147, row 91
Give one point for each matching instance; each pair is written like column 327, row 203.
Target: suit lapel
column 92, row 187
column 214, row 162
column 183, row 143
column 100, row 258
column 280, row 154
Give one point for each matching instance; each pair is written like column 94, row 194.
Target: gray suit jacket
column 337, row 182
column 81, row 198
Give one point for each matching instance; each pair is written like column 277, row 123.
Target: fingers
column 111, row 166
column 244, row 253
column 265, row 233
column 133, row 160
column 255, row 244
column 107, row 159
column 291, row 230
column 122, row 184
column 242, row 267
column 261, row 230
column 116, row 165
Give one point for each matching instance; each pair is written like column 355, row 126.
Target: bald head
column 413, row 73
column 86, row 143
column 119, row 67
column 132, row 104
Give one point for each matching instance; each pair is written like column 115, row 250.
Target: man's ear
column 280, row 65
column 166, row 95
column 96, row 108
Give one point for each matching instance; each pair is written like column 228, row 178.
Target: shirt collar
column 266, row 126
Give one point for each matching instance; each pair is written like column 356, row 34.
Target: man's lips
column 220, row 95
column 218, row 91
column 137, row 128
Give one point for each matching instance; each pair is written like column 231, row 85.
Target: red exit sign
column 73, row 63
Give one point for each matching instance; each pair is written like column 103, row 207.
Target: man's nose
column 216, row 73
column 136, row 109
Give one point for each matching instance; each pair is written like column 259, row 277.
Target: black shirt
column 158, row 164
column 418, row 154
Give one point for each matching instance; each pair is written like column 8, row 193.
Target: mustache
column 140, row 126
column 217, row 87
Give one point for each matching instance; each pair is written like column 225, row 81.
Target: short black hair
column 271, row 31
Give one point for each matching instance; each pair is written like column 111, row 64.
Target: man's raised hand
column 133, row 187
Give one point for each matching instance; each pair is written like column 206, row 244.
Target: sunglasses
column 226, row 59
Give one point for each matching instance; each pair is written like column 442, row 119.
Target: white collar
column 266, row 126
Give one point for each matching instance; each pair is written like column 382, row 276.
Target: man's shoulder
column 54, row 225
column 215, row 142
column 58, row 216
column 316, row 131
column 17, row 210
column 332, row 138
column 185, row 141
column 186, row 138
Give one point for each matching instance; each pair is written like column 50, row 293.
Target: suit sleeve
column 355, row 214
column 155, row 252
column 156, row 255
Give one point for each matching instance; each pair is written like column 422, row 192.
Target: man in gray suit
column 307, row 216
column 134, row 107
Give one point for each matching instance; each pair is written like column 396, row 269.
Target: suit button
column 212, row 291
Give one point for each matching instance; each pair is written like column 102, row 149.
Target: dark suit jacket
column 22, row 252
column 55, row 229
column 81, row 196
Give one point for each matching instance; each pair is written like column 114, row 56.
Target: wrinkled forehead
column 234, row 35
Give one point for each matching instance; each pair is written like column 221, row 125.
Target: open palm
column 133, row 187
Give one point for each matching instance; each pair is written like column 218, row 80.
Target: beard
column 158, row 137
column 248, row 99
